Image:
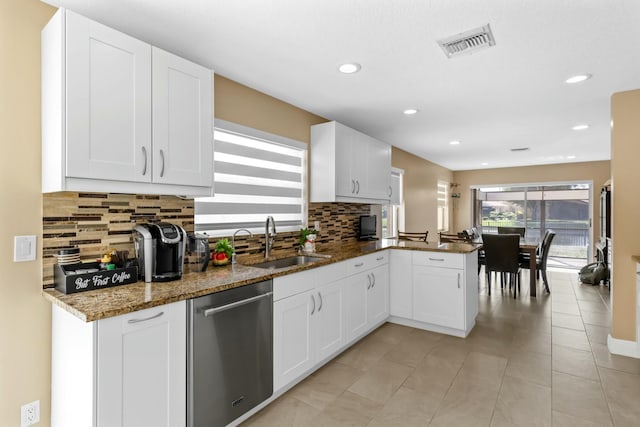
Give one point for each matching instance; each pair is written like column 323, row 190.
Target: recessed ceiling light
column 580, row 127
column 571, row 157
column 485, row 164
column 579, row 78
column 455, row 143
column 350, row 68
column 410, row 111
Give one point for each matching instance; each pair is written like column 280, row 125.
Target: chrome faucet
column 233, row 243
column 269, row 236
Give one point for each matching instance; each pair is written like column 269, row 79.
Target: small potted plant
column 222, row 253
column 307, row 240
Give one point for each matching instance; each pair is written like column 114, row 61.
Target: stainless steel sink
column 288, row 262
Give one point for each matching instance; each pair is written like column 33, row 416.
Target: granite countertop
column 103, row 303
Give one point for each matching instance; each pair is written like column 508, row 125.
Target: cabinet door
column 378, row 170
column 356, row 287
column 359, row 163
column 345, row 153
column 141, row 368
column 438, row 296
column 182, row 121
column 108, row 103
column 401, row 288
column 328, row 321
column 378, row 295
column 292, row 346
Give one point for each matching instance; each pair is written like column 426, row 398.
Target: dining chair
column 416, row 237
column 501, row 253
column 454, row 238
column 512, row 230
column 541, row 258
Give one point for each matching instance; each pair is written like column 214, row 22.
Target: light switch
column 24, row 248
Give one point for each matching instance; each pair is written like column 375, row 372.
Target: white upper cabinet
column 182, row 121
column 347, row 165
column 119, row 115
column 108, row 98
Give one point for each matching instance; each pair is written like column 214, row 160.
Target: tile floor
column 528, row 362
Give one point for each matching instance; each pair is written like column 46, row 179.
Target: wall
column 625, row 173
column 242, row 105
column 420, row 191
column 25, row 317
column 598, row 172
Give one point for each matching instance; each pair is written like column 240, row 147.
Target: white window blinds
column 443, row 206
column 256, row 175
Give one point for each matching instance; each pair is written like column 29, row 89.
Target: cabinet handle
column 373, row 275
column 144, row 153
column 368, row 281
column 360, row 264
column 436, row 259
column 320, row 298
column 353, row 186
column 380, row 258
column 357, row 187
column 155, row 316
column 162, row 158
column 390, row 191
column 458, row 280
column 211, row 311
column 313, row 300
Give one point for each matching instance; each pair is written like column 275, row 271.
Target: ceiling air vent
column 467, row 42
column 520, row 149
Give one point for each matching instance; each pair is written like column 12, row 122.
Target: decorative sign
column 75, row 278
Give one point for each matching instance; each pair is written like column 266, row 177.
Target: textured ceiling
column 511, row 95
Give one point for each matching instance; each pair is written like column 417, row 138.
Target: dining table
column 530, row 247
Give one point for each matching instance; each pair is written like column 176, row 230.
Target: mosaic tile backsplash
column 95, row 222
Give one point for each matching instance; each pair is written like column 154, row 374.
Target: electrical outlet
column 316, row 225
column 30, row 414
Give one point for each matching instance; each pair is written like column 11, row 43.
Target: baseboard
column 623, row 347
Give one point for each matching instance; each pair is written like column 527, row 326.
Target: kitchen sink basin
column 288, row 262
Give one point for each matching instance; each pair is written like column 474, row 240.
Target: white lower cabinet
column 438, row 296
column 292, row 341
column 378, row 295
column 401, row 288
column 329, row 330
column 436, row 291
column 356, row 305
column 317, row 313
column 127, row 370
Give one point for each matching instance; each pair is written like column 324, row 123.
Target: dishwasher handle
column 214, row 310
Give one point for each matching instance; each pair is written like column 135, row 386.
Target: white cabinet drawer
column 367, row 262
column 292, row 284
column 439, row 259
column 332, row 272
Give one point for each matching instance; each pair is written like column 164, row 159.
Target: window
column 443, row 206
column 256, row 174
column 392, row 213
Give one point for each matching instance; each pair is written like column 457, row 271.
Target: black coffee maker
column 160, row 249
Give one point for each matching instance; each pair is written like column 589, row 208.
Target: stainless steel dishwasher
column 230, row 353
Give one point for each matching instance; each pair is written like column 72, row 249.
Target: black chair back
column 512, row 230
column 546, row 245
column 407, row 235
column 501, row 252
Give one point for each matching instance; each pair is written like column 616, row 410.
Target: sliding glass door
column 564, row 208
